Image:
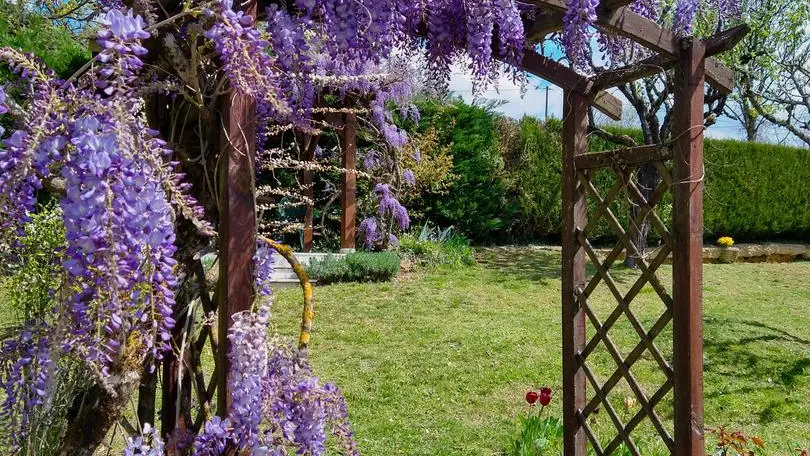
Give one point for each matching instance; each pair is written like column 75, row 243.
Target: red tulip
column 545, row 396
column 531, row 397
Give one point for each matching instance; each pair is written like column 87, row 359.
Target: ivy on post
column 687, row 261
column 575, row 128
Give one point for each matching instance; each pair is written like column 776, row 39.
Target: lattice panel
column 609, row 367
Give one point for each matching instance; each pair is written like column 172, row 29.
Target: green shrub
column 355, row 267
column 35, row 270
column 477, row 201
column 435, row 247
column 28, row 31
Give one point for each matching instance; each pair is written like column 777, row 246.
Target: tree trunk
column 647, row 180
column 146, row 396
column 98, row 410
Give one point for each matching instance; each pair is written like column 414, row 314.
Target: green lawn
column 437, row 363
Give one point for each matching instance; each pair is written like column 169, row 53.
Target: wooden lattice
column 627, row 188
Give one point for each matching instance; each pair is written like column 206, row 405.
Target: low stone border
column 743, row 253
column 756, row 253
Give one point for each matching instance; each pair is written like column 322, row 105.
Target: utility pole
column 546, row 103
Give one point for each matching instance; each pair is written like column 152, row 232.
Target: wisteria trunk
column 98, row 411
column 648, row 177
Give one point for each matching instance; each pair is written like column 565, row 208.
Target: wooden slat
column 629, row 245
column 624, row 368
column 641, row 414
column 624, row 304
column 611, row 411
column 638, row 199
column 595, row 444
column 624, row 157
column 602, row 204
column 575, row 142
column 624, row 22
column 631, row 359
column 687, row 261
column 655, row 199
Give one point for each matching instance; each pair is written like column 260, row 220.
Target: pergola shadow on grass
column 680, row 162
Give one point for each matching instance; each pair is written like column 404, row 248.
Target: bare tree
column 774, row 24
column 786, row 102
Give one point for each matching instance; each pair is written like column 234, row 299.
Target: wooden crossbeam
column 543, row 23
column 567, row 79
column 622, row 21
column 624, row 156
column 715, row 44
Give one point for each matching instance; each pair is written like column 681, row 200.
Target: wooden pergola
column 681, row 165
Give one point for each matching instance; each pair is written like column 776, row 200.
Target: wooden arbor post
column 348, row 206
column 687, row 258
column 575, row 128
column 237, row 224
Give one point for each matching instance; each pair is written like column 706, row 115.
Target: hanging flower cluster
column 276, row 402
column 119, row 204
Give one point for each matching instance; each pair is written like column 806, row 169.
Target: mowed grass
column 437, row 363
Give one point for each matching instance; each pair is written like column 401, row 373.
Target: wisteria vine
column 123, row 195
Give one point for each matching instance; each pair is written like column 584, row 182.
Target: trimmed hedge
column 479, row 203
column 755, row 191
column 355, row 267
column 752, row 189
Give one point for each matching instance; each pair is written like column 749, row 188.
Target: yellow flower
column 629, row 403
column 725, row 241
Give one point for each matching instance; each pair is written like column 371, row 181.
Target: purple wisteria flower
column 3, row 107
column 148, row 443
column 248, row 358
column 408, row 177
column 243, row 52
column 263, row 261
column 368, row 232
column 685, row 11
column 578, row 22
column 26, row 369
column 120, row 38
column 371, row 160
column 214, row 438
column 390, row 206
